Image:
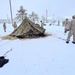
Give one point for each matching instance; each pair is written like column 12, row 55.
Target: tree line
column 22, row 13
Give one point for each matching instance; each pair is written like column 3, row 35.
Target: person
column 71, row 30
column 15, row 25
column 66, row 25
column 3, row 61
column 4, row 27
column 42, row 24
column 63, row 23
column 58, row 22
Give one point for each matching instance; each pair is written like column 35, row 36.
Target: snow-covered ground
column 40, row 56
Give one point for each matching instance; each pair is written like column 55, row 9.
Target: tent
column 28, row 29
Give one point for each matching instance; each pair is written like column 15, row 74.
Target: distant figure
column 42, row 24
column 63, row 23
column 50, row 24
column 66, row 25
column 3, row 61
column 58, row 23
column 71, row 30
column 4, row 27
column 15, row 25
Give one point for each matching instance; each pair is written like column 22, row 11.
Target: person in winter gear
column 71, row 30
column 3, row 61
column 4, row 27
column 42, row 24
column 63, row 23
column 66, row 25
column 58, row 22
column 15, row 25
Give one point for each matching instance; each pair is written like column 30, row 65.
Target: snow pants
column 71, row 32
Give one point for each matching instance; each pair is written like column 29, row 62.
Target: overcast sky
column 58, row 8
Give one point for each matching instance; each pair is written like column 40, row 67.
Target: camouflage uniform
column 15, row 25
column 4, row 27
column 66, row 26
column 71, row 30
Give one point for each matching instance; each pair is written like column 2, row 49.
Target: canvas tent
column 28, row 29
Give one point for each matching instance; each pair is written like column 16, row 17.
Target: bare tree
column 34, row 17
column 37, row 18
column 21, row 13
column 43, row 19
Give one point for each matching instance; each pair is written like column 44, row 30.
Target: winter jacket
column 67, row 23
column 72, row 25
column 71, row 30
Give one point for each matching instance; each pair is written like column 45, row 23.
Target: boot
column 67, row 42
column 73, row 42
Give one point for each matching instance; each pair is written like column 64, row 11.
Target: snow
column 41, row 56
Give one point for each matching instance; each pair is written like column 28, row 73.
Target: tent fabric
column 28, row 29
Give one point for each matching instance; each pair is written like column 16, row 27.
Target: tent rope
column 7, row 52
column 60, row 38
